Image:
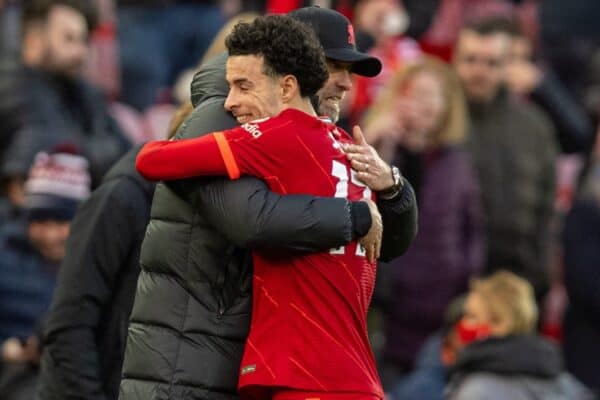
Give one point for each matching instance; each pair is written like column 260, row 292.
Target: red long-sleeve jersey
column 308, row 330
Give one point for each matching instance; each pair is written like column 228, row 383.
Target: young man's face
column 480, row 62
column 66, row 41
column 49, row 238
column 332, row 93
column 252, row 93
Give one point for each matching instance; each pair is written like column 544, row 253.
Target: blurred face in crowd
column 332, row 93
column 58, row 44
column 66, row 41
column 252, row 93
column 422, row 105
column 381, row 18
column 480, row 61
column 477, row 314
column 49, row 238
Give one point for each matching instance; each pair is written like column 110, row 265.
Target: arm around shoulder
column 252, row 216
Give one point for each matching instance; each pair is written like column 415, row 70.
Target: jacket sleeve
column 101, row 239
column 399, row 222
column 581, row 239
column 574, row 127
column 251, row 216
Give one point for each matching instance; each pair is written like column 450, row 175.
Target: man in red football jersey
column 308, row 336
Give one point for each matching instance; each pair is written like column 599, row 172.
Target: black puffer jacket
column 191, row 314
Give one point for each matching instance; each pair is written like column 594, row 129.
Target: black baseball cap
column 336, row 34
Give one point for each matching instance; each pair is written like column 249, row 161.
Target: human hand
column 371, row 242
column 523, row 77
column 15, row 351
column 386, row 127
column 364, row 159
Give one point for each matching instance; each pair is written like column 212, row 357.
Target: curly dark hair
column 287, row 47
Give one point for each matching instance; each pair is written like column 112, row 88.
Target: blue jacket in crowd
column 26, row 283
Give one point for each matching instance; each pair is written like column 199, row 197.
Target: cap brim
column 362, row 64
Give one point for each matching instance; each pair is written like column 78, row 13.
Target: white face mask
column 395, row 23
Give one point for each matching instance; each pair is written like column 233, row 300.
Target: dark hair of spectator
column 36, row 11
column 495, row 24
column 287, row 46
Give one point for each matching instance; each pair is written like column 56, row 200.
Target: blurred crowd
column 490, row 109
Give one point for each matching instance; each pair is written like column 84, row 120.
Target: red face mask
column 471, row 333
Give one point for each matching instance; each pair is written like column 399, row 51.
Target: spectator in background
column 420, row 122
column 513, row 147
column 30, row 254
column 574, row 128
column 58, row 107
column 158, row 40
column 581, row 240
column 504, row 359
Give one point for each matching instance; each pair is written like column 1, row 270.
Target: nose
column 344, row 80
column 230, row 101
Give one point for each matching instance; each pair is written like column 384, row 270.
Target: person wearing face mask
column 386, row 21
column 419, row 123
column 503, row 358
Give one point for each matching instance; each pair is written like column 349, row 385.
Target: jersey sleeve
column 168, row 160
column 252, row 149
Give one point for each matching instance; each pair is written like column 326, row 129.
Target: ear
column 33, row 45
column 289, row 88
